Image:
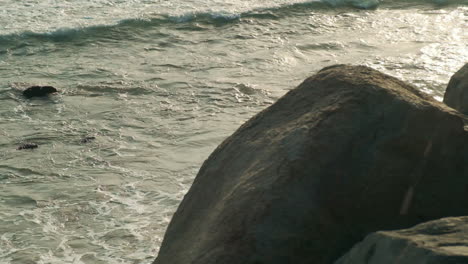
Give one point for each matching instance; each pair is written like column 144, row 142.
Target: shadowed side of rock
column 348, row 152
column 443, row 241
column 456, row 95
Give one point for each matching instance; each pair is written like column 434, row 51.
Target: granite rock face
column 456, row 95
column 443, row 241
column 348, row 152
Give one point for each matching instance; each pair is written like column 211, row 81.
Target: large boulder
column 348, row 152
column 443, row 241
column 456, row 94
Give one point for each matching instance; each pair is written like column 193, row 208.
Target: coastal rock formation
column 456, row 95
column 348, row 152
column 38, row 91
column 443, row 241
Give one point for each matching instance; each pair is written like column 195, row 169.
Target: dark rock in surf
column 442, row 241
column 27, row 146
column 456, row 94
column 87, row 139
column 348, row 152
column 39, row 91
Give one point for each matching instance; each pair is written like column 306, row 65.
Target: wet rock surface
column 27, row 146
column 39, row 91
column 87, row 139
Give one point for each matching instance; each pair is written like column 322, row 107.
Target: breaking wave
column 127, row 28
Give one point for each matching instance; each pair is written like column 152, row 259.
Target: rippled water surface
column 160, row 84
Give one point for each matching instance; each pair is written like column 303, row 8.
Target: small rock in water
column 38, row 91
column 87, row 139
column 28, row 146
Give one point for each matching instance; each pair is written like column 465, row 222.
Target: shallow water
column 160, row 84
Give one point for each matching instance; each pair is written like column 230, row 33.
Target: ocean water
column 159, row 84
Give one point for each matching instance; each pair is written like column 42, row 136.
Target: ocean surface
column 159, row 84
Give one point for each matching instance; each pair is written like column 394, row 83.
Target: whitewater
column 159, row 84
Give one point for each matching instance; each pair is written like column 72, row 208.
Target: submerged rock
column 350, row 151
column 27, row 146
column 443, row 241
column 87, row 139
column 456, row 95
column 38, row 91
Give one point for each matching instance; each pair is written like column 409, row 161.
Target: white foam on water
column 51, row 15
column 61, row 17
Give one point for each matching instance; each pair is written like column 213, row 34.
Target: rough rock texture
column 456, row 95
column 39, row 91
column 443, row 241
column 348, row 152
